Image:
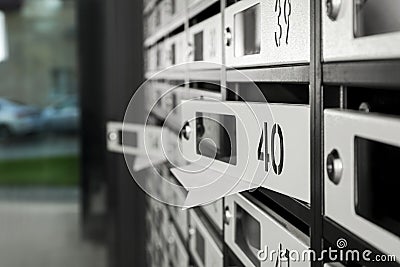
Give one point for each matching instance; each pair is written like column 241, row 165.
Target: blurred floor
column 41, row 227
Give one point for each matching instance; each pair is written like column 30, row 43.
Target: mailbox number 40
column 268, row 156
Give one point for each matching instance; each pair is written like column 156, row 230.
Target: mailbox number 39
column 265, row 155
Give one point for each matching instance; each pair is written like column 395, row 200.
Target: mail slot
column 267, row 32
column 360, row 29
column 249, row 229
column 160, row 55
column 362, row 151
column 129, row 138
column 150, row 144
column 203, row 248
column 175, row 49
column 205, row 42
column 256, row 143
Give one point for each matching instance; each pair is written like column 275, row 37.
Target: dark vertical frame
column 110, row 69
column 91, row 89
column 316, row 163
column 124, row 74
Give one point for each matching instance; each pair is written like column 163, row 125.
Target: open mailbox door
column 238, row 146
column 142, row 141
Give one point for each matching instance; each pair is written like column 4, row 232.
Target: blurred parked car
column 17, row 119
column 62, row 116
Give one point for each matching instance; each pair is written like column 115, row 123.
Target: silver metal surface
column 213, row 256
column 341, row 127
column 211, row 42
column 179, row 56
column 215, row 212
column 151, row 142
column 274, row 235
column 284, row 33
column 291, row 176
column 148, row 147
column 176, row 196
column 177, row 253
column 339, row 41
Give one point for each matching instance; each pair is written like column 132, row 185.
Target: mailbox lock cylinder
column 112, row 136
column 332, row 8
column 227, row 216
column 334, row 167
column 186, row 131
column 228, row 36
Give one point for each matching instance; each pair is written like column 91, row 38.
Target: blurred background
column 70, row 68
